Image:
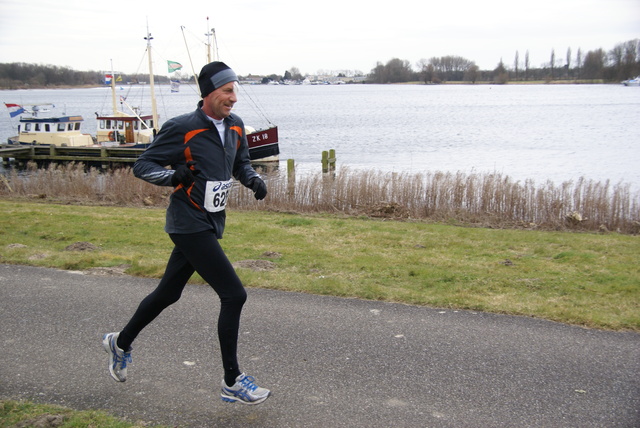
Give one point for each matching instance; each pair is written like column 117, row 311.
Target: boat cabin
column 61, row 131
column 118, row 130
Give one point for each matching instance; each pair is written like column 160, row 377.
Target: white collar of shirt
column 219, row 126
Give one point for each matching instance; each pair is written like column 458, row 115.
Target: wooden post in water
column 104, row 155
column 291, row 178
column 328, row 161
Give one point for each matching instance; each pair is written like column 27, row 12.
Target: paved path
column 331, row 362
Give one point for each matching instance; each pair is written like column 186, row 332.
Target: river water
column 540, row 132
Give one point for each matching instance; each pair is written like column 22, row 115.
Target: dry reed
column 492, row 200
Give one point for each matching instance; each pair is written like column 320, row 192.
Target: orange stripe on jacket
column 189, row 135
column 239, row 131
column 188, row 157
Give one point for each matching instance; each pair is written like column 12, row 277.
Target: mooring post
column 332, row 160
column 291, row 178
column 325, row 161
column 328, row 161
column 104, row 155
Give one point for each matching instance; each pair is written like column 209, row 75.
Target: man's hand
column 185, row 174
column 259, row 188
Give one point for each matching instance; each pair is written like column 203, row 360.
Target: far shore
column 515, row 82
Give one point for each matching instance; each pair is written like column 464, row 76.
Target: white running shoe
column 244, row 391
column 118, row 359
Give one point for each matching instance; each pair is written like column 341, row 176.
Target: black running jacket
column 193, row 137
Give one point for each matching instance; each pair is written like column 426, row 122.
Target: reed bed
column 488, row 200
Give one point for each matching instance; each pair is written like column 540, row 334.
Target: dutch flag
column 14, row 109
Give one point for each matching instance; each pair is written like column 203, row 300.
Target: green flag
column 173, row 66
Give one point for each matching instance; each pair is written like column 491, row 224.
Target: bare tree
column 426, row 70
column 472, row 74
column 526, row 65
column 517, row 63
column 395, row 71
column 579, row 63
column 295, row 73
column 552, row 61
column 631, row 62
column 594, row 62
column 451, row 68
column 624, row 57
column 568, row 66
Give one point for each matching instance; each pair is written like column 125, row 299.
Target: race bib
column 216, row 195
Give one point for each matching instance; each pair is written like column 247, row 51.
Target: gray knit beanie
column 214, row 75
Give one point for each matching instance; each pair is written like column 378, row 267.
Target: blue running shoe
column 118, row 359
column 244, row 391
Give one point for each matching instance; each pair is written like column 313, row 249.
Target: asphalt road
column 329, row 361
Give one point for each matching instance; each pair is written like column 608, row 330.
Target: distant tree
column 568, row 65
column 552, row 61
column 500, row 74
column 624, row 57
column 451, row 68
column 579, row 63
column 517, row 63
column 399, row 70
column 377, row 74
column 616, row 55
column 295, row 74
column 394, row 71
column 632, row 58
column 472, row 74
column 526, row 65
column 287, row 75
column 425, row 70
column 594, row 62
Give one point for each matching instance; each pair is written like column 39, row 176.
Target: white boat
column 632, row 82
column 62, row 131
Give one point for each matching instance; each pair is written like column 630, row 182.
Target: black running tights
column 197, row 252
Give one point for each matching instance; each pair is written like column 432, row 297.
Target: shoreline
column 517, row 82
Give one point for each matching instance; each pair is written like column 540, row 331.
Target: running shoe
column 118, row 359
column 244, row 391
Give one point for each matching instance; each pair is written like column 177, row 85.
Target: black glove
column 185, row 174
column 259, row 188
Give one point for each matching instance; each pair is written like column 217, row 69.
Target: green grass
column 584, row 279
column 27, row 414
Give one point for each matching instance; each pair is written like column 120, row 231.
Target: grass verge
column 27, row 414
column 577, row 278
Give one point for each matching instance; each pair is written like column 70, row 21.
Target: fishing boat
column 263, row 144
column 47, row 130
column 121, row 129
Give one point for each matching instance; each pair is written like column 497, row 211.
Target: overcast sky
column 271, row 36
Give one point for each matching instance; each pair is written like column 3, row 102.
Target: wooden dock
column 102, row 157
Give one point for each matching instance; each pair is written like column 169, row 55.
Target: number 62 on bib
column 216, row 195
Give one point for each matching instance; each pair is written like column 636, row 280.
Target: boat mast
column 209, row 34
column 154, row 109
column 113, row 91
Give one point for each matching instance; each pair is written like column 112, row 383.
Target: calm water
column 540, row 132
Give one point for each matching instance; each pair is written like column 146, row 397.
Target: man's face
column 218, row 104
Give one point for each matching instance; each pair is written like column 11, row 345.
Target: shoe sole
column 228, row 399
column 107, row 347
